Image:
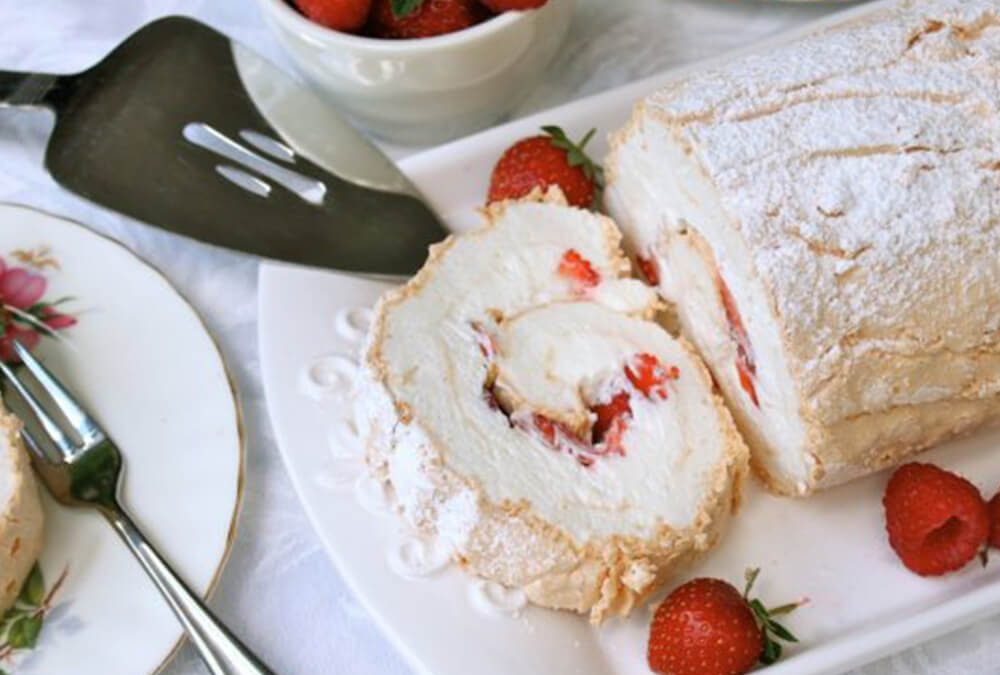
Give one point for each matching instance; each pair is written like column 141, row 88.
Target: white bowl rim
column 497, row 23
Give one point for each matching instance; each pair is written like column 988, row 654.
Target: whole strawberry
column 342, row 15
column 995, row 521
column 543, row 161
column 706, row 627
column 512, row 5
column 412, row 19
column 937, row 521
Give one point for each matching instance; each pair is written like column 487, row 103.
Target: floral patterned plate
column 140, row 358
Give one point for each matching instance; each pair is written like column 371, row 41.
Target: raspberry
column 937, row 521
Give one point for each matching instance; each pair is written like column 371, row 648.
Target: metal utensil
column 183, row 129
column 82, row 468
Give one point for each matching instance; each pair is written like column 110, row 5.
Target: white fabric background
column 279, row 591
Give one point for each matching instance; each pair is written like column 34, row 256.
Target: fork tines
column 84, row 427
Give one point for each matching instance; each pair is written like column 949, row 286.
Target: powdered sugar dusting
column 862, row 167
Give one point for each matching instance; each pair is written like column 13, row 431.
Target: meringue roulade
column 528, row 412
column 21, row 522
column 824, row 217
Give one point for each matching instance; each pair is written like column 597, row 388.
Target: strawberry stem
column 751, row 579
column 403, row 8
column 771, row 630
column 576, row 154
column 784, row 609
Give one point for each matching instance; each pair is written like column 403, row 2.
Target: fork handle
column 222, row 652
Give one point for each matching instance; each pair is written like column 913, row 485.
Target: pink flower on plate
column 25, row 336
column 24, row 314
column 54, row 319
column 20, row 288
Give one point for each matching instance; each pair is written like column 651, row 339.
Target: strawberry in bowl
column 407, row 19
column 344, row 15
column 415, row 19
column 421, row 71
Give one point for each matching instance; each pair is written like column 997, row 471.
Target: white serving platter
column 830, row 548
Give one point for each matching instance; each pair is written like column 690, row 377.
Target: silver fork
column 84, row 470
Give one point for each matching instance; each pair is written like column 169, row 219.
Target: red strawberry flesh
column 612, row 414
column 430, row 19
column 746, row 366
column 341, row 15
column 649, row 269
column 704, row 627
column 650, row 376
column 512, row 5
column 995, row 521
column 540, row 162
column 579, row 270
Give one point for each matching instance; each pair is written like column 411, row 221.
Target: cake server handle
column 25, row 89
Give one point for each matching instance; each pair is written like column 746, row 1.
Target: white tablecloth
column 279, row 591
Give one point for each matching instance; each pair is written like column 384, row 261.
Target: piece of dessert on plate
column 823, row 217
column 527, row 410
column 21, row 523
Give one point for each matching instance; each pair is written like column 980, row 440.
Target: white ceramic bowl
column 427, row 90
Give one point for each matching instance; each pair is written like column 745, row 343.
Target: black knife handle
column 25, row 88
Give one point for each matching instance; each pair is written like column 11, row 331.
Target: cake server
column 186, row 130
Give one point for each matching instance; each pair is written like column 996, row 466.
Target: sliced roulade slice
column 527, row 410
column 21, row 520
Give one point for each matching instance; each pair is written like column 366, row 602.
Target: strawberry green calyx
column 576, row 155
column 404, row 8
column 772, row 631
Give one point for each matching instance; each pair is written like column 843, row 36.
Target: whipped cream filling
column 670, row 211
column 562, row 360
column 557, row 343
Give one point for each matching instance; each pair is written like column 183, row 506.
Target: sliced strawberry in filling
column 650, row 376
column 549, row 429
column 561, row 438
column 579, row 270
column 490, row 396
column 613, row 442
column 647, row 375
column 649, row 269
column 486, row 341
column 743, row 369
column 746, row 367
column 612, row 417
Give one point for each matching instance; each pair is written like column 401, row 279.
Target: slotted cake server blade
column 188, row 131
